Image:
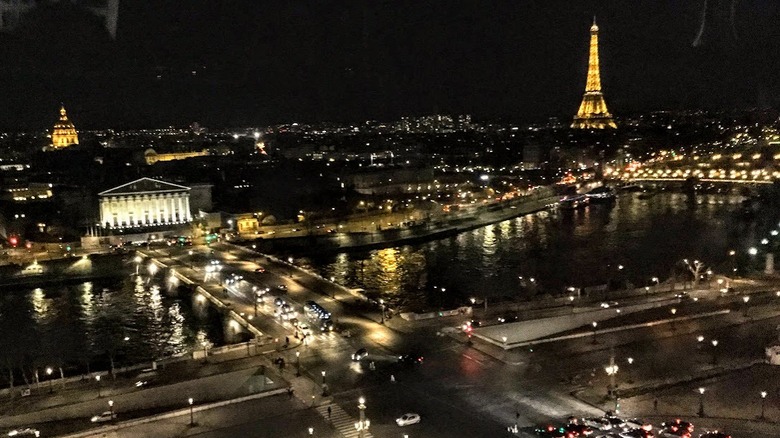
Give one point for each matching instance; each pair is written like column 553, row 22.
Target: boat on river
column 574, row 202
column 601, row 194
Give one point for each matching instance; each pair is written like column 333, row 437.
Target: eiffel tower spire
column 593, row 113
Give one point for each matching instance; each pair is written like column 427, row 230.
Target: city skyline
column 258, row 65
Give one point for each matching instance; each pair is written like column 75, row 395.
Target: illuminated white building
column 145, row 203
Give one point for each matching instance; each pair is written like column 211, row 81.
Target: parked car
column 260, row 269
column 25, row 431
column 711, row 434
column 407, row 419
column 105, row 416
column 578, row 429
column 597, row 423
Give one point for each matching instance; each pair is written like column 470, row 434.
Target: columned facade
column 145, row 203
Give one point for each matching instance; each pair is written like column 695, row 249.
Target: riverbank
column 363, row 241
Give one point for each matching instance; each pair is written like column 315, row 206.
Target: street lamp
column 701, row 401
column 297, row 364
column 192, row 418
column 152, row 269
column 48, row 373
column 503, row 339
column 595, row 324
column 190, row 253
column 324, row 387
column 362, row 425
column 763, row 401
column 311, row 431
column 714, row 351
column 745, row 299
column 111, row 406
column 99, row 385
column 699, row 340
column 611, row 370
column 630, row 361
column 674, row 312
column 382, row 306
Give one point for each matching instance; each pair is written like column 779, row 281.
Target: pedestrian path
column 341, row 421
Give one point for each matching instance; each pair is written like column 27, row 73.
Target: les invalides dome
column 64, row 133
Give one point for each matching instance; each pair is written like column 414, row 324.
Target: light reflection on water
column 558, row 248
column 71, row 323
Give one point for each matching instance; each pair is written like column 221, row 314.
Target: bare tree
column 696, row 268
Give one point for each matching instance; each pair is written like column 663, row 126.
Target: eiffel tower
column 593, row 113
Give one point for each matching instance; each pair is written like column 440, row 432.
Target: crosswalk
column 341, row 421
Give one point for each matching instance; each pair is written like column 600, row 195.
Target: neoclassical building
column 145, row 203
column 64, row 133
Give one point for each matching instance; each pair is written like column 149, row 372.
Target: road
column 459, row 389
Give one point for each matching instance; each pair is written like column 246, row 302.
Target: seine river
column 134, row 319
column 83, row 324
column 556, row 248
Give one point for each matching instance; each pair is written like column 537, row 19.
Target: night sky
column 261, row 62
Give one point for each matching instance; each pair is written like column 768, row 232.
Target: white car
column 105, row 416
column 597, row 423
column 304, row 328
column 407, row 419
column 25, row 431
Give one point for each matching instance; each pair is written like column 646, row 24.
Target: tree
column 696, row 268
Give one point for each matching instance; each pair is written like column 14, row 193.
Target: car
column 636, row 433
column 638, row 423
column 597, row 423
column 551, row 431
column 407, row 419
column 578, row 429
column 678, row 424
column 25, row 431
column 711, row 434
column 105, row 416
column 260, row 269
column 410, row 359
column 616, row 422
column 608, row 304
column 509, row 317
column 304, row 328
column 360, row 354
column 278, row 302
column 282, row 287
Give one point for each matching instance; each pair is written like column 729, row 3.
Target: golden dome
column 64, row 133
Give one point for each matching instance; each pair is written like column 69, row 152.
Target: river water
column 558, row 249
column 134, row 319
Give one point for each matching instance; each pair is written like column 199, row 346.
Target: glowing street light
column 674, row 312
column 753, row 251
column 192, row 418
column 111, row 406
column 595, row 325
column 362, row 425
column 49, row 370
column 745, row 300
column 152, row 269
column 763, row 402
column 714, row 351
column 97, row 378
column 701, row 401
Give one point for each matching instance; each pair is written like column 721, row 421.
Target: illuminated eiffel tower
column 593, row 113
